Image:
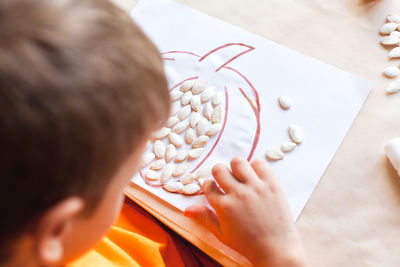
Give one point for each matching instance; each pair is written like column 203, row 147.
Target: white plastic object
column 392, row 150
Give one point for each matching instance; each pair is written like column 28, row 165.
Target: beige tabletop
column 353, row 216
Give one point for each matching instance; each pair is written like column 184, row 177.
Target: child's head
column 81, row 88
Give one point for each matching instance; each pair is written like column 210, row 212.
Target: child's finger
column 223, row 177
column 242, row 170
column 206, row 217
column 211, row 191
column 263, row 170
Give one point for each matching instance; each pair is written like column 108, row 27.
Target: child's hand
column 252, row 215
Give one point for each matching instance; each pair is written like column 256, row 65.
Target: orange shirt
column 138, row 239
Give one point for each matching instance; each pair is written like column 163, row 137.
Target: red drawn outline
column 258, row 130
column 230, row 60
column 256, row 108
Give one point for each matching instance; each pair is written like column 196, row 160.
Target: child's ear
column 52, row 227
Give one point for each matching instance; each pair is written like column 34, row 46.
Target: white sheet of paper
column 326, row 100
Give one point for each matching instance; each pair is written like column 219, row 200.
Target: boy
column 82, row 88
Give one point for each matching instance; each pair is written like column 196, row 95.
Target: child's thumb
column 206, row 217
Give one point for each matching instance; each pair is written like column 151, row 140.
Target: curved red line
column 220, row 133
column 258, row 130
column 254, row 91
column 178, row 84
column 230, row 60
column 167, row 58
column 256, row 110
column 180, row 52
